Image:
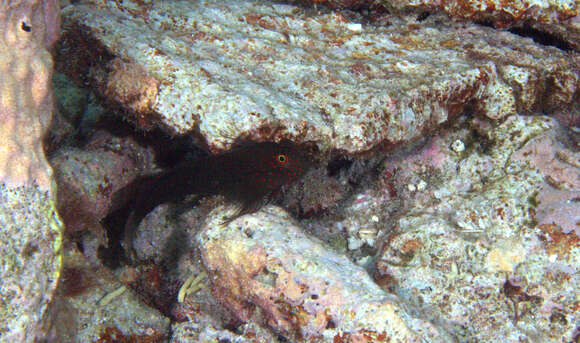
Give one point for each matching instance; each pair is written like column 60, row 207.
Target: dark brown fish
column 249, row 176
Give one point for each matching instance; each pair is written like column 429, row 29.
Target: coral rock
column 560, row 18
column 301, row 288
column 88, row 179
column 267, row 71
column 94, row 307
column 30, row 229
column 486, row 215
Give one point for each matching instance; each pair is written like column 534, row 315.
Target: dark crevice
column 422, row 16
column 541, row 37
column 538, row 36
column 168, row 150
column 338, row 164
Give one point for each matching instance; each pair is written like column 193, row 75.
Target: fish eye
column 282, row 159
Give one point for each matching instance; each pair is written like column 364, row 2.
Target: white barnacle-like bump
column 421, row 185
column 355, row 27
column 458, row 146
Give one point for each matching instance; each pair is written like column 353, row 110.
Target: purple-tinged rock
column 30, row 230
column 559, row 199
column 480, row 246
column 88, row 178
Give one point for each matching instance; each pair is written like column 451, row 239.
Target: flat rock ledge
column 266, row 71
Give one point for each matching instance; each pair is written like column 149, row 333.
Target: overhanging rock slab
column 267, row 71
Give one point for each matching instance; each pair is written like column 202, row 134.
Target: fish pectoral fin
column 181, row 207
column 247, row 207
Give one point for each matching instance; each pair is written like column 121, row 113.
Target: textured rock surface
column 26, row 69
column 559, row 17
column 475, row 230
column 30, row 260
column 202, row 330
column 267, row 71
column 77, row 112
column 30, row 232
column 479, row 246
column 88, row 178
column 558, row 200
column 82, row 312
column 263, row 267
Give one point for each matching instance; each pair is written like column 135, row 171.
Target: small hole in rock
column 25, row 27
column 330, row 324
column 421, row 17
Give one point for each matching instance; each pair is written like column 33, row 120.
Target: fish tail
column 144, row 194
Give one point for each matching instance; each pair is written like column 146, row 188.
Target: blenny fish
column 249, row 176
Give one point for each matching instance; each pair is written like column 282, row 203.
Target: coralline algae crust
column 265, row 71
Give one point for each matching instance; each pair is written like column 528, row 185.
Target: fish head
column 278, row 164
